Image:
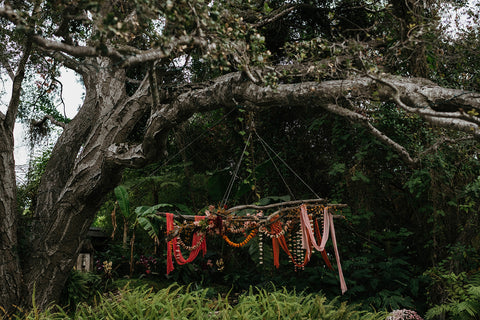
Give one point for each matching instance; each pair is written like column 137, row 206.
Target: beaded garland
column 194, row 247
column 294, row 229
column 244, row 242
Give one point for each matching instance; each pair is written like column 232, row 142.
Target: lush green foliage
column 177, row 302
column 455, row 294
column 81, row 287
column 401, row 220
column 398, row 220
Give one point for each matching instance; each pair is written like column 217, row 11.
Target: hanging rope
column 276, row 168
column 285, row 164
column 183, row 149
column 226, row 196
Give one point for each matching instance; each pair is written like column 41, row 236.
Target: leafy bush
column 461, row 295
column 176, row 302
column 81, row 287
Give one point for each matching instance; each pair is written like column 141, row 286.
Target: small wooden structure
column 85, row 257
column 95, row 240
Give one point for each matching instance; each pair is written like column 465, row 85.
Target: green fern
column 465, row 308
column 177, row 302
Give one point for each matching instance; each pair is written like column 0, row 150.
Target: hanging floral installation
column 293, row 227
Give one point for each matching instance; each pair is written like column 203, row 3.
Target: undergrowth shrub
column 461, row 296
column 177, row 302
column 80, row 286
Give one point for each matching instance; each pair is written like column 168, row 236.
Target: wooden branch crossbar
column 255, row 218
column 280, row 204
column 261, row 220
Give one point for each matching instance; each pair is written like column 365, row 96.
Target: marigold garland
column 252, row 234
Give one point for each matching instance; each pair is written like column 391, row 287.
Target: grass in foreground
column 176, row 302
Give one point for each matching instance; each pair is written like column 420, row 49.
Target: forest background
column 410, row 234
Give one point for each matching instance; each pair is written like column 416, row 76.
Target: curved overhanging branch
column 358, row 118
column 233, row 89
column 77, row 51
column 421, row 104
column 414, row 95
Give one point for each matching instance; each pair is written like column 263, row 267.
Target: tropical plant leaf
column 148, row 226
column 145, row 211
column 121, row 194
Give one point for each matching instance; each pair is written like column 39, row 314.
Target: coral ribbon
column 172, row 245
column 170, row 268
column 324, row 253
column 280, row 241
column 308, row 239
column 276, row 252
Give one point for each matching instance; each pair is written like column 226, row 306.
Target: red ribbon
column 172, row 245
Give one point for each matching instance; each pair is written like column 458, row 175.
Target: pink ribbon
column 308, row 239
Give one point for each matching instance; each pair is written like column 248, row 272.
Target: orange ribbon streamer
column 280, row 241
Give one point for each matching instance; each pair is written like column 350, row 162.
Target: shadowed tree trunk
column 77, row 177
column 10, row 271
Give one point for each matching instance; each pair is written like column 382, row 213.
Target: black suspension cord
column 183, row 149
column 284, row 163
column 277, row 169
column 234, row 176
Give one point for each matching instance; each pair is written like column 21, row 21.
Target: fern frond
column 437, row 311
column 474, row 291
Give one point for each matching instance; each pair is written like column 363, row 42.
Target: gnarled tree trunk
column 10, row 271
column 78, row 176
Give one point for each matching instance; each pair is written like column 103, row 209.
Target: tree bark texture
column 10, row 271
column 77, row 177
column 11, row 276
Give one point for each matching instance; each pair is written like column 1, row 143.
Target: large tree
column 148, row 66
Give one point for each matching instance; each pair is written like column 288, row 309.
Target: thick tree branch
column 229, row 90
column 8, row 13
column 68, row 62
column 358, row 118
column 125, row 155
column 52, row 120
column 6, row 65
column 12, row 110
column 128, row 57
column 424, row 108
column 77, row 51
